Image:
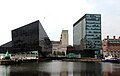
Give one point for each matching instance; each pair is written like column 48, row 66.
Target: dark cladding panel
column 44, row 40
column 26, row 36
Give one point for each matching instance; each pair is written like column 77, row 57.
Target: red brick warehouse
column 111, row 46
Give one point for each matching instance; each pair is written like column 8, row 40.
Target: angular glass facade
column 31, row 36
column 87, row 33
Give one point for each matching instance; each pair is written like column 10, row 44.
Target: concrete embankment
column 7, row 62
column 73, row 59
column 83, row 59
column 17, row 61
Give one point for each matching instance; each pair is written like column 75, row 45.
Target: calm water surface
column 61, row 68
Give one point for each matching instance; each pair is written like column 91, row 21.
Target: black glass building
column 31, row 36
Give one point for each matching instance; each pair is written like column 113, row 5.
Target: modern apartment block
column 111, row 47
column 87, row 35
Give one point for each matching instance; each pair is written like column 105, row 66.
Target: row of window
column 93, row 32
column 94, row 19
column 97, row 25
column 93, row 22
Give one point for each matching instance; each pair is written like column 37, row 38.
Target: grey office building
column 87, row 35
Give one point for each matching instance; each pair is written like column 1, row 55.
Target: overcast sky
column 56, row 15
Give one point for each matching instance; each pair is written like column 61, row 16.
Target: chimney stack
column 107, row 37
column 119, row 37
column 113, row 37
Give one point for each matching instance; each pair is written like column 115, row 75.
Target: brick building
column 111, row 46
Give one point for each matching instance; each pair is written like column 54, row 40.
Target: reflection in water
column 110, row 69
column 60, row 68
column 4, row 70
